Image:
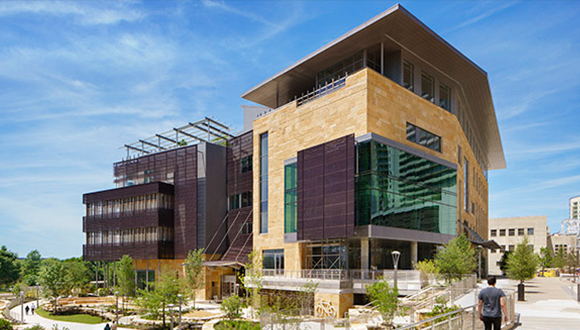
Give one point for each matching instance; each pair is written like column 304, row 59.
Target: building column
column 364, row 253
column 414, row 253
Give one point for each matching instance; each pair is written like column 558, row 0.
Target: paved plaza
column 549, row 305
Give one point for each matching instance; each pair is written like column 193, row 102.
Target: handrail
column 323, row 90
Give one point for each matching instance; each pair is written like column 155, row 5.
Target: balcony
column 136, row 250
column 339, row 280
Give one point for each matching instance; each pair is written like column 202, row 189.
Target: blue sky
column 80, row 79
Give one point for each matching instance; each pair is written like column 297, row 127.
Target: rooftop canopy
column 205, row 130
column 396, row 29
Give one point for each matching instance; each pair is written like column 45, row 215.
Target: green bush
column 237, row 325
column 232, row 307
column 36, row 327
column 5, row 325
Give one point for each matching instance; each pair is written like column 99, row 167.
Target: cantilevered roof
column 397, row 29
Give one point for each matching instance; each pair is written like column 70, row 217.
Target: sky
column 79, row 79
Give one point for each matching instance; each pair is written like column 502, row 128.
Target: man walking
column 491, row 299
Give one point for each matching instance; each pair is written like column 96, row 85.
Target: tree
column 426, row 268
column 52, row 273
column 522, row 264
column 31, row 268
column 385, row 299
column 572, row 262
column 503, row 261
column 126, row 278
column 9, row 271
column 560, row 259
column 164, row 293
column 77, row 274
column 232, row 307
column 252, row 280
column 194, row 275
column 456, row 259
column 545, row 258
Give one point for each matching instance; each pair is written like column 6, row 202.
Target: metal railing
column 323, row 90
column 342, row 274
column 466, row 318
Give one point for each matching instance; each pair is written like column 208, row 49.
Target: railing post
column 474, row 318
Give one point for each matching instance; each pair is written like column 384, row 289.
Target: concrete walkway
column 31, row 320
column 549, row 304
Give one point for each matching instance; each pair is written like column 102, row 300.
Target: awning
column 223, row 263
column 477, row 240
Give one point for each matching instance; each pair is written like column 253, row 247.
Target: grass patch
column 77, row 318
column 236, row 325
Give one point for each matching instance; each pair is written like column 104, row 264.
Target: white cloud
column 487, row 13
column 86, row 12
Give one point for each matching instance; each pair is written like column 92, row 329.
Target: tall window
column 466, row 185
column 290, row 201
column 408, row 75
column 264, row 183
column 445, row 97
column 427, row 87
column 246, row 164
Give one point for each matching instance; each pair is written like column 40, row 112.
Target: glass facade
column 290, row 198
column 264, row 183
column 398, row 189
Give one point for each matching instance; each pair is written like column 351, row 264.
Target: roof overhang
column 398, row 30
column 223, row 263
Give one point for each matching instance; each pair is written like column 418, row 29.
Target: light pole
column 37, row 295
column 117, row 307
column 479, row 248
column 22, row 306
column 180, row 301
column 396, row 255
column 170, row 306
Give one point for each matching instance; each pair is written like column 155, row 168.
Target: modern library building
column 380, row 141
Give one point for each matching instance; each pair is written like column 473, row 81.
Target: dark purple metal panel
column 326, row 190
column 239, row 245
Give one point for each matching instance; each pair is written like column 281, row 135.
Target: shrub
column 237, row 325
column 384, row 298
column 5, row 325
column 232, row 307
column 36, row 327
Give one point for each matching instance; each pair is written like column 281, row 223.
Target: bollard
column 578, row 292
column 521, row 292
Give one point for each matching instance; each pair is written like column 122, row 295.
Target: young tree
column 253, row 280
column 560, row 259
column 426, row 268
column 456, row 259
column 164, row 293
column 522, row 264
column 194, row 275
column 126, row 278
column 77, row 274
column 503, row 261
column 9, row 271
column 545, row 258
column 572, row 262
column 52, row 273
column 385, row 299
column 31, row 268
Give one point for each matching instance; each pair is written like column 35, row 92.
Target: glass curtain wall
column 290, row 199
column 264, row 183
column 398, row 189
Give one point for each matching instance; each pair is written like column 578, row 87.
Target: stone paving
column 549, row 304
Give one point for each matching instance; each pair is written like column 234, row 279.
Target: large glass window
column 264, row 183
column 423, row 137
column 408, row 80
column 398, row 189
column 427, row 87
column 445, row 97
column 290, row 200
column 273, row 259
column 327, row 255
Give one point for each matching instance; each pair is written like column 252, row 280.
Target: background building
column 509, row 232
column 575, row 207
